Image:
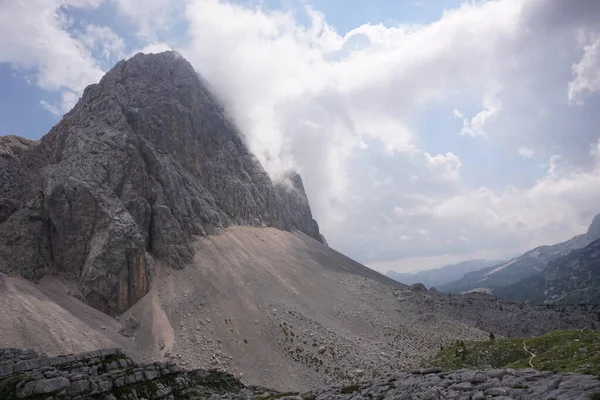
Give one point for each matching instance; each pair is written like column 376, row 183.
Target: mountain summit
column 145, row 161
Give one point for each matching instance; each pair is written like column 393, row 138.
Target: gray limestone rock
column 146, row 161
column 44, row 386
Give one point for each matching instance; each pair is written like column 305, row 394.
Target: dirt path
column 532, row 354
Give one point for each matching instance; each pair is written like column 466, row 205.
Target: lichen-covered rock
column 129, row 381
column 145, row 161
column 43, row 386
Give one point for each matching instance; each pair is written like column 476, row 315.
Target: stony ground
column 110, row 375
column 501, row 384
column 275, row 308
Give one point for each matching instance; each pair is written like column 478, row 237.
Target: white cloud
column 34, row 38
column 150, row 16
column 476, row 126
column 152, row 48
column 444, row 166
column 586, row 72
column 51, row 109
column 525, row 152
column 554, row 166
column 364, row 85
column 345, row 110
column 340, row 108
column 105, row 41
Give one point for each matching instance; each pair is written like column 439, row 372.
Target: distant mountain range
column 443, row 275
column 546, row 274
column 571, row 279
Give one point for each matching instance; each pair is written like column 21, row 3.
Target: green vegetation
column 559, row 351
column 349, row 389
column 274, row 396
column 216, row 379
column 213, row 379
column 595, row 396
column 8, row 386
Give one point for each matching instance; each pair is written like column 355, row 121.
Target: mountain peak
column 593, row 231
column 144, row 163
column 168, row 65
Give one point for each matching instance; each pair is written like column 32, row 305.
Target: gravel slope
column 279, row 309
column 47, row 318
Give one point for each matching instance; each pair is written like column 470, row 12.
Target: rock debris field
column 110, row 375
column 276, row 309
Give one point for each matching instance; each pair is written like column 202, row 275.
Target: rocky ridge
column 571, row 279
column 110, row 375
column 145, row 162
column 531, row 263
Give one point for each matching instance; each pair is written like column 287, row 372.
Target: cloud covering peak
column 474, row 135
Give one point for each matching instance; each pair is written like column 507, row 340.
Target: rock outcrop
column 105, row 374
column 146, row 161
column 110, row 375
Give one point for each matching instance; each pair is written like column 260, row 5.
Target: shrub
column 349, row 389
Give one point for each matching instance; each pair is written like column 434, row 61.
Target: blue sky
column 427, row 132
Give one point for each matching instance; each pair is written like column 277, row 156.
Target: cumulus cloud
column 50, row 108
column 586, row 72
column 340, row 108
column 525, row 152
column 35, row 37
column 150, row 17
column 103, row 39
column 476, row 126
column 446, row 167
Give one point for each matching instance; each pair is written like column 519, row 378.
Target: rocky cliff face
column 145, row 161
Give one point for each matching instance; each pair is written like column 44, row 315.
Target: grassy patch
column 559, row 351
column 349, row 389
column 273, row 396
column 216, row 379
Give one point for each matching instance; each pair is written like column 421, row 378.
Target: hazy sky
column 427, row 132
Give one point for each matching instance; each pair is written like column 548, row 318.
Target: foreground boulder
column 105, row 374
column 110, row 375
